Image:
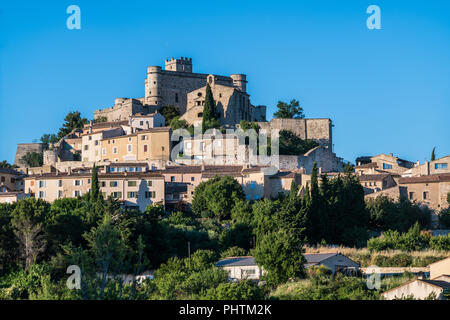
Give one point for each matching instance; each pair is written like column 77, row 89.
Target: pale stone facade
column 91, row 143
column 137, row 189
column 419, row 289
column 440, row 268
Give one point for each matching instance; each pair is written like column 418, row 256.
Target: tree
column 100, row 119
column 289, row 111
column 73, row 120
column 108, row 248
column 28, row 218
column 5, row 164
column 48, row 139
column 433, row 154
column 217, row 196
column 33, row 159
column 290, row 144
column 169, row 112
column 95, row 189
column 209, row 118
column 280, row 254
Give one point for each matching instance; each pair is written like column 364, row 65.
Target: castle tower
column 153, row 86
column 239, row 81
column 180, row 65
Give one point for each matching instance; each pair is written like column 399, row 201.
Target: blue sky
column 386, row 90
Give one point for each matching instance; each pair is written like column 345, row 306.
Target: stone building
column 384, row 163
column 23, row 149
column 150, row 144
column 232, row 104
column 172, row 86
column 429, row 190
column 319, row 130
column 131, row 189
column 376, row 182
column 438, row 166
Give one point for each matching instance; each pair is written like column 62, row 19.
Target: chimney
column 69, row 171
column 391, row 154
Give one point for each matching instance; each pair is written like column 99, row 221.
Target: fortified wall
column 23, row 149
column 319, row 130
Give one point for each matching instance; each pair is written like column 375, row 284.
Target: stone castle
column 178, row 85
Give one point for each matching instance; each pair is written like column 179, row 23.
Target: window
column 426, row 195
column 188, row 145
column 172, row 179
column 411, row 195
column 41, row 184
column 141, row 123
column 129, row 139
column 77, row 193
column 192, row 178
column 150, row 183
column 102, row 184
column 90, row 138
column 77, row 182
column 41, row 194
column 440, row 166
column 96, row 142
column 132, row 183
column 113, row 184
column 60, row 194
column 144, row 137
column 131, row 195
column 115, row 150
column 129, row 148
column 145, row 148
column 176, row 97
column 116, row 195
column 60, row 183
column 104, row 151
column 252, row 185
column 387, row 166
column 375, row 183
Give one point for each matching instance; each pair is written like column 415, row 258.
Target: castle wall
column 23, row 149
column 318, row 130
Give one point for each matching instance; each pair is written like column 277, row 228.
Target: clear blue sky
column 386, row 90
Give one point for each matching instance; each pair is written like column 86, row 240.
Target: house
column 376, row 182
column 438, row 166
column 439, row 284
column 148, row 121
column 440, row 268
column 131, row 189
column 386, row 163
column 241, row 268
column 430, row 190
column 419, row 289
column 11, row 180
column 336, row 262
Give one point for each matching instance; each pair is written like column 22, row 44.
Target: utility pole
column 189, row 253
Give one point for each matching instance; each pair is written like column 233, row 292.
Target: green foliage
column 209, row 119
column 433, row 154
column 170, row 112
column 33, row 159
column 444, row 218
column 289, row 111
column 246, row 125
column 395, row 215
column 290, row 144
column 73, row 120
column 280, row 254
column 100, row 119
column 233, row 252
column 217, row 197
column 176, row 123
column 244, row 290
column 409, row 241
column 48, row 139
column 5, row 164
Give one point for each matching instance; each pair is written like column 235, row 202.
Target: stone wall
column 23, row 149
column 319, row 130
column 123, row 108
column 325, row 158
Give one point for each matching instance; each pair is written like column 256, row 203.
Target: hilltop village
column 131, row 142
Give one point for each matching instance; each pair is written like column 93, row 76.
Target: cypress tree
column 433, row 154
column 209, row 119
column 95, row 189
